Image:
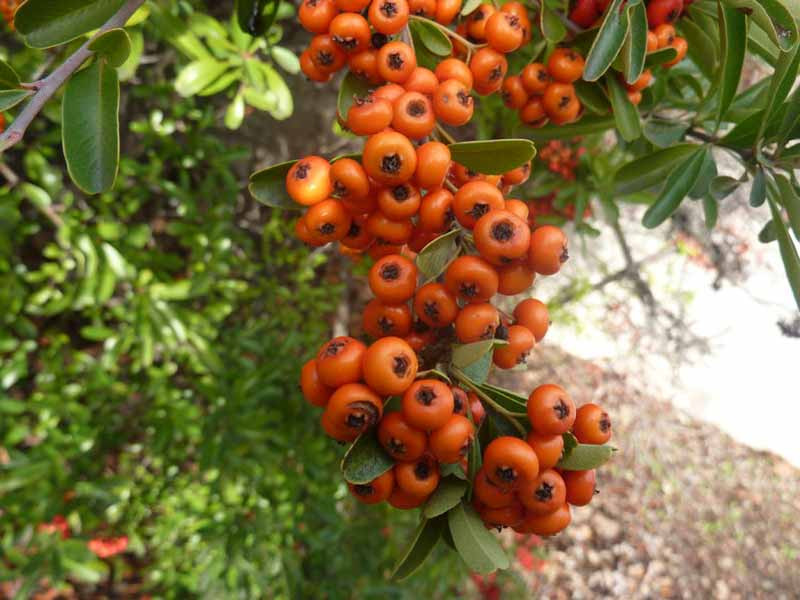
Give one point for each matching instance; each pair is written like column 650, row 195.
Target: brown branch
column 50, row 84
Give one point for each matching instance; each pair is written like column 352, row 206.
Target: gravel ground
column 684, row 511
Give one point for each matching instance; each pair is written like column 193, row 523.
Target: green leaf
column 114, row 46
column 710, row 210
column 479, row 549
column 478, row 371
column 791, row 260
column 634, row 51
column 419, row 548
column 45, row 23
column 10, row 98
column 790, row 119
column 552, row 28
column 90, row 127
column 789, row 199
column 128, row 69
column 733, row 33
column 659, row 57
column 625, row 113
column 470, row 6
column 723, row 186
column 647, row 171
column 198, row 75
column 234, row 115
column 268, row 186
column 365, row 460
column 446, row 496
column 664, row 133
column 506, row 399
column 250, row 16
column 781, row 84
column 586, row 126
column 493, row 157
column 677, row 186
column 8, row 76
column 593, row 97
column 702, row 49
column 431, row 36
column 707, row 172
column 584, row 457
column 352, row 87
column 774, row 18
column 276, row 84
column 768, row 233
column 286, row 59
column 437, row 254
column 608, row 42
column 570, row 443
column 758, row 191
column 465, row 355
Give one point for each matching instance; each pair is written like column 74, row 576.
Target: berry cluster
column 7, row 9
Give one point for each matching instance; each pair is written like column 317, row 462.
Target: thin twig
column 50, row 84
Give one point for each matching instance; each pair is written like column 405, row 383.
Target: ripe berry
column 390, row 366
column 515, row 352
column 389, row 158
column 434, row 305
column 316, row 392
column 592, row 425
column 339, row 361
column 475, row 199
column 381, row 320
column 565, row 65
column 427, row 404
column 509, row 461
column 543, row 495
column 450, row 442
column 418, row 478
column 393, row 279
column 354, row 408
column 477, row 322
column 548, row 524
column 308, row 180
column 548, row 448
column 400, row 440
column 533, row 314
column 548, row 250
column 493, row 496
column 377, row 490
column 433, row 162
column 580, row 486
column 501, row 237
column 550, row 410
column 471, row 279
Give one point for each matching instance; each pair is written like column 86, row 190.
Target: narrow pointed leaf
column 114, row 46
column 659, row 57
column 647, row 171
column 551, row 26
column 419, row 547
column 586, row 126
column 446, row 496
column 758, row 191
column 365, row 460
column 634, row 51
column 677, row 186
column 781, row 84
column 702, row 49
column 773, row 17
column 46, row 23
column 733, row 33
column 790, row 199
column 437, row 254
column 431, row 37
column 476, row 545
column 608, row 43
column 585, row 456
column 626, row 114
column 493, row 157
column 791, row 260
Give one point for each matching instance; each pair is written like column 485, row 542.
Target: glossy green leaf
column 768, row 233
column 268, row 186
column 470, row 6
column 570, row 443
column 352, row 87
column 476, row 545
column 8, row 76
column 90, row 127
column 437, row 254
column 285, row 59
column 114, row 46
column 46, row 23
column 419, row 547
column 251, row 18
column 504, row 425
column 10, row 98
column 733, row 33
column 791, row 201
column 781, row 84
column 586, row 126
column 609, row 41
column 710, row 211
column 446, row 496
column 465, row 355
column 702, row 49
column 284, row 105
column 234, row 115
column 650, row 170
column 478, row 371
column 790, row 119
column 584, row 457
column 197, row 75
column 551, row 26
column 760, row 44
column 593, row 97
column 659, row 57
column 506, row 399
column 707, row 173
column 758, row 191
column 677, row 186
column 723, row 186
column 634, row 50
column 663, row 133
column 365, row 460
column 626, row 114
column 431, row 36
column 791, row 260
column 773, row 17
column 493, row 157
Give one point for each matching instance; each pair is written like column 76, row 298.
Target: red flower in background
column 57, row 525
column 107, row 547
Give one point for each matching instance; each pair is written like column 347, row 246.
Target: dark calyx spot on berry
column 301, row 172
column 391, row 163
column 478, row 210
column 396, row 61
column 468, row 290
column 426, row 395
column 354, row 231
column 363, row 489
column 379, row 40
column 401, row 193
column 356, row 421
column 523, row 357
column 420, row 327
column 400, row 365
column 416, row 108
column 390, row 271
column 362, row 101
column 334, row 347
column 325, row 58
column 503, row 231
column 327, row 228
column 512, row 20
column 347, row 43
column 396, row 446
column 431, row 309
column 361, row 414
column 386, row 324
column 496, row 73
column 605, row 423
column 564, row 256
column 561, row 409
column 564, row 101
column 312, row 3
column 478, row 15
column 449, row 216
column 458, row 403
column 501, row 333
column 339, row 188
column 544, row 492
column 488, row 333
column 388, row 9
column 571, row 56
column 464, row 99
column 422, row 470
column 506, row 474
